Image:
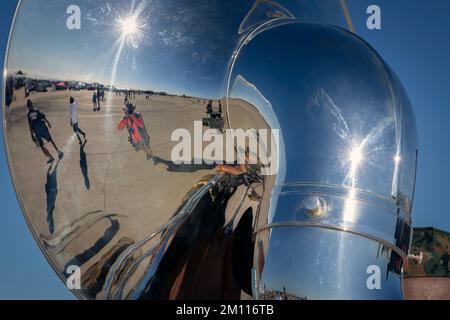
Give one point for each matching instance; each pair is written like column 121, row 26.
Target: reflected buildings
column 326, row 195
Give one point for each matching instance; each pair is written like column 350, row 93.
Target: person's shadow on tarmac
column 51, row 190
column 183, row 168
column 84, row 166
column 83, row 257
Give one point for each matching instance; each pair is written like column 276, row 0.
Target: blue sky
column 413, row 40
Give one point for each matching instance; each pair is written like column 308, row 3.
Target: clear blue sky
column 413, row 40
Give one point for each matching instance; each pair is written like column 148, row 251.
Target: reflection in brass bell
column 123, row 187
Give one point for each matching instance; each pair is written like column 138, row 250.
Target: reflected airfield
column 115, row 169
column 142, row 226
column 106, row 176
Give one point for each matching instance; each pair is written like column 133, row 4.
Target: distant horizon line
column 43, row 77
column 37, row 75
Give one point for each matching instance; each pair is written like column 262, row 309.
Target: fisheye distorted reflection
column 95, row 117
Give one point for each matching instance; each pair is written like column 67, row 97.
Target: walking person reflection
column 135, row 125
column 94, row 101
column 73, row 109
column 99, row 97
column 39, row 130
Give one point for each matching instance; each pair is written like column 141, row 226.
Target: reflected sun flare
column 128, row 26
column 131, row 29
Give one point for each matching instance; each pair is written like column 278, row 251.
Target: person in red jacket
column 135, row 125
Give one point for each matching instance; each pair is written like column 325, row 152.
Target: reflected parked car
column 42, row 85
column 60, row 86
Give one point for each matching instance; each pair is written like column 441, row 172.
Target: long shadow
column 101, row 269
column 80, row 259
column 51, row 190
column 183, row 168
column 84, row 166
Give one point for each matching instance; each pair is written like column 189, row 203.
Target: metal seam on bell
column 336, row 186
column 392, row 209
column 407, row 221
column 402, row 254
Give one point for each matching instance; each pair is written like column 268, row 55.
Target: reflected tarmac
column 115, row 178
